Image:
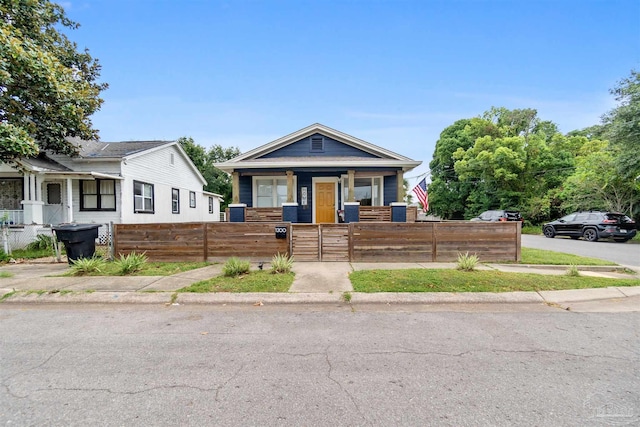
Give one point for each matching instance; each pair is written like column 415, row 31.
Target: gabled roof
column 103, row 151
column 382, row 157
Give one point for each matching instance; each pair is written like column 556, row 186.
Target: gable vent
column 317, row 143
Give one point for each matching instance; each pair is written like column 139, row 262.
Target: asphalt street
column 620, row 253
column 321, row 365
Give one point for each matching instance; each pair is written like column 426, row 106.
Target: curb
column 391, row 298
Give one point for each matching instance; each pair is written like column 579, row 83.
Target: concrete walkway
column 315, row 282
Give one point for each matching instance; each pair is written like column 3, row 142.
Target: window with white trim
column 210, row 204
column 192, row 199
column 270, row 192
column 367, row 191
column 175, row 201
column 142, row 197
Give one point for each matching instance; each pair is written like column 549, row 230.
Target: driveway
column 620, row 253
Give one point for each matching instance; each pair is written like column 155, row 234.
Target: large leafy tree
column 218, row 181
column 447, row 194
column 623, row 126
column 504, row 159
column 48, row 88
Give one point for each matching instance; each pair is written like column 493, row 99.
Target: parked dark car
column 498, row 215
column 592, row 226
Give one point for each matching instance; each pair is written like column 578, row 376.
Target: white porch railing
column 12, row 217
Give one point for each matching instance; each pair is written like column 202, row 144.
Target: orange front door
column 325, row 202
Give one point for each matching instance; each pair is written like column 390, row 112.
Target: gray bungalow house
column 316, row 175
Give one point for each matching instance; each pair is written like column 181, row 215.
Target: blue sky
column 394, row 73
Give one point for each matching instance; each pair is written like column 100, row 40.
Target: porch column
column 398, row 212
column 235, row 188
column 290, row 188
column 32, row 207
column 351, row 186
column 69, row 202
column 237, row 212
column 400, row 190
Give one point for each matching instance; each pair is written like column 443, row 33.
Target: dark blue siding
column 332, row 148
column 390, row 189
column 245, row 190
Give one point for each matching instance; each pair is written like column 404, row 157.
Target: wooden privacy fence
column 355, row 242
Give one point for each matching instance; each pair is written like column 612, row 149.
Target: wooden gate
column 320, row 242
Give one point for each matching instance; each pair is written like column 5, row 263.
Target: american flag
column 421, row 193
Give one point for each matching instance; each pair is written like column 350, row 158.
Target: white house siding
column 98, row 217
column 155, row 168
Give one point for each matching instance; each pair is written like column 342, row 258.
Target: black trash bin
column 79, row 239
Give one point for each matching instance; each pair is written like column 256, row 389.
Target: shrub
column 42, row 242
column 3, row 256
column 281, row 263
column 84, row 266
column 467, row 262
column 131, row 263
column 235, row 267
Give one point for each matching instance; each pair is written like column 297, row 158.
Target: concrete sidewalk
column 315, row 282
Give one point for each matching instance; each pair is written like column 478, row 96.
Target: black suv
column 500, row 215
column 592, row 226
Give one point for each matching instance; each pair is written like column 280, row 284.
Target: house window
column 175, row 201
column 98, row 195
column 210, row 205
column 270, row 192
column 192, row 199
column 142, row 197
column 317, row 144
column 11, row 193
column 368, row 191
column 54, row 194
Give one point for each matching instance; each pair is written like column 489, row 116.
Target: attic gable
column 358, row 147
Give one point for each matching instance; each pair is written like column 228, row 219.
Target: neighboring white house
column 120, row 182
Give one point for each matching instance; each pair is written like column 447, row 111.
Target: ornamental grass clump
column 235, row 267
column 83, row 266
column 281, row 263
column 467, row 262
column 128, row 264
column 572, row 271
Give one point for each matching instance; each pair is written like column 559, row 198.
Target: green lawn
column 539, row 256
column 254, row 281
column 440, row 280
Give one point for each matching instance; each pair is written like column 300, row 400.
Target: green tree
column 48, row 88
column 596, row 183
column 447, row 194
column 623, row 126
column 218, row 182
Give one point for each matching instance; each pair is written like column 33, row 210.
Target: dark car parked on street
column 592, row 226
column 498, row 215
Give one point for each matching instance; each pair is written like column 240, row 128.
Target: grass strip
column 149, row 269
column 539, row 256
column 254, row 281
column 440, row 280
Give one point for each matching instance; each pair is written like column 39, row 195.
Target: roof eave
column 405, row 165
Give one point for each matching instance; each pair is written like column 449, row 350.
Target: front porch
column 365, row 214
